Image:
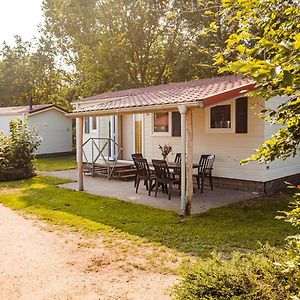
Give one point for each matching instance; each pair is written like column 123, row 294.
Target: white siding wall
column 279, row 168
column 5, row 120
column 229, row 148
column 55, row 130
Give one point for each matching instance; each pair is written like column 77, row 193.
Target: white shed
column 50, row 121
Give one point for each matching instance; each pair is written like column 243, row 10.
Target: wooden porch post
column 189, row 162
column 80, row 153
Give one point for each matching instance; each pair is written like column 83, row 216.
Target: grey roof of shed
column 16, row 110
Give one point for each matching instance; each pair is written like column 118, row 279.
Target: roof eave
column 207, row 101
column 44, row 109
column 229, row 94
column 131, row 110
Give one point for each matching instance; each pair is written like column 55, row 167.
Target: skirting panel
column 268, row 187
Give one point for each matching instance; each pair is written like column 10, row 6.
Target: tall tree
column 114, row 44
column 266, row 47
column 28, row 73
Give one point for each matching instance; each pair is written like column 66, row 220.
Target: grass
column 56, row 163
column 235, row 227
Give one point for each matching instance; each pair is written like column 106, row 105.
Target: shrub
column 244, row 276
column 17, row 152
column 291, row 266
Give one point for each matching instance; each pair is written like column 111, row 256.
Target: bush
column 291, row 266
column 17, row 152
column 244, row 276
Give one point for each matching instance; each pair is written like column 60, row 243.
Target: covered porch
column 187, row 99
column 125, row 191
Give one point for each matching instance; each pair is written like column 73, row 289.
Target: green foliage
column 291, row 266
column 28, row 73
column 87, row 47
column 266, row 47
column 115, row 44
column 17, row 152
column 244, row 276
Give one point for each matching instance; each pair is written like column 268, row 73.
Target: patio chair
column 163, row 176
column 177, row 171
column 178, row 158
column 205, row 170
column 134, row 156
column 143, row 173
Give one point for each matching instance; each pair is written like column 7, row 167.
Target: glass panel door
column 109, row 130
column 113, row 151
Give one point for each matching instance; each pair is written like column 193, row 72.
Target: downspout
column 182, row 109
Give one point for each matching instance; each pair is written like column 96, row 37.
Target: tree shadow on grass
column 234, row 227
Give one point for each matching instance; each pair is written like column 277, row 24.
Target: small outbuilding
column 50, row 122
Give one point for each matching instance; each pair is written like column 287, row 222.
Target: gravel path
column 39, row 262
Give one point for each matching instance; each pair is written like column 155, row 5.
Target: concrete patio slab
column 126, row 192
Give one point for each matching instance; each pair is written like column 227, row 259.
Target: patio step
column 122, row 171
column 125, row 174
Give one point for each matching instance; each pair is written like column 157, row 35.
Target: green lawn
column 235, row 227
column 56, row 163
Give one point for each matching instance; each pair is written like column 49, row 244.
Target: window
column 220, row 116
column 161, row 122
column 86, row 125
column 166, row 124
column 94, row 123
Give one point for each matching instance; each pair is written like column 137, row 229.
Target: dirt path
column 37, row 263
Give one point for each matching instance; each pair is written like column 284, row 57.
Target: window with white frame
column 161, row 123
column 220, row 116
column 166, row 124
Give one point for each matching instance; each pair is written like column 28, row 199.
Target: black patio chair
column 177, row 171
column 163, row 177
column 205, row 170
column 143, row 173
column 134, row 156
column 177, row 158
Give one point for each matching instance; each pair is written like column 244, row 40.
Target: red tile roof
column 211, row 91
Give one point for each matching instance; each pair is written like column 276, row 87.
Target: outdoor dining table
column 174, row 165
column 171, row 165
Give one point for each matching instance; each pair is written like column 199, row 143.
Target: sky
column 19, row 17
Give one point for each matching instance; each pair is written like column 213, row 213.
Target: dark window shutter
column 176, row 124
column 241, row 115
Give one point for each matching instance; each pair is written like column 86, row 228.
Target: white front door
column 127, row 136
column 132, row 135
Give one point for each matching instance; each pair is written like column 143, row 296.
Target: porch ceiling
column 165, row 97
